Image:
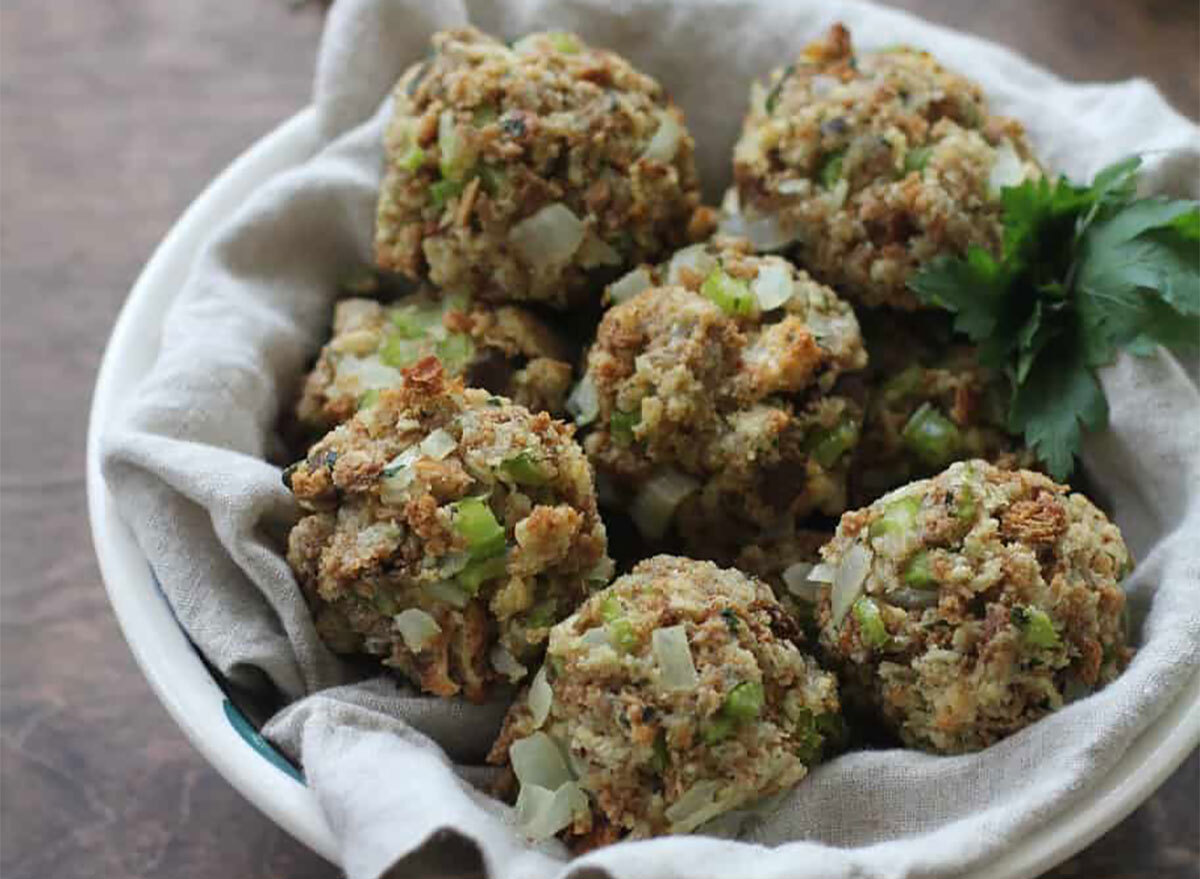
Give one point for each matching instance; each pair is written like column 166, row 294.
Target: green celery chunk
column 897, row 518
column 903, row 383
column 622, row 636
column 456, row 352
column 479, row 571
column 368, row 398
column 717, row 729
column 415, row 321
column 831, row 168
column 564, row 42
column 444, row 190
column 523, row 469
column 871, row 629
column 917, row 159
column 1035, row 625
column 399, row 352
column 611, row 609
column 828, row 446
column 412, row 160
column 965, row 505
column 621, row 425
column 918, row 573
column 731, row 294
column 541, row 615
column 491, row 179
column 931, row 436
column 744, row 702
column 476, row 524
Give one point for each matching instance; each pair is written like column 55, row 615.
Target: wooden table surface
column 114, row 115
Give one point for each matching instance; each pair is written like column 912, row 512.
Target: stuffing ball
column 714, row 397
column 967, row 606
column 447, row 530
column 503, row 349
column 669, row 698
column 872, row 164
column 929, row 403
column 526, row 173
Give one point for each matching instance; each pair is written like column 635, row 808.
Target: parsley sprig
column 1084, row 272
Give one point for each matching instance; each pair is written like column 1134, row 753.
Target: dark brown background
column 114, row 116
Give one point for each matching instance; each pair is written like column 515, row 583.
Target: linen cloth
column 398, row 775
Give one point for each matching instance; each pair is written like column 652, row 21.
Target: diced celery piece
column 491, row 179
column 897, row 518
column 966, row 506
column 456, row 352
column 412, row 160
column 564, row 42
column 831, row 168
column 918, row 573
column 611, row 609
column 871, row 629
column 744, row 702
column 523, row 469
column 476, row 524
column 717, row 729
column 931, row 436
column 622, row 636
column 621, row 425
column 828, row 446
column 444, row 190
column 1035, row 625
column 542, row 614
column 917, row 159
column 368, row 398
column 731, row 294
column 400, row 352
column 415, row 321
column 903, row 383
column 479, row 571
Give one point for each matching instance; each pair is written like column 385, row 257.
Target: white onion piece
column 548, row 238
column 506, row 664
column 793, row 186
column 848, row 580
column 697, row 805
column 821, row 85
column 540, row 698
column 629, row 285
column 773, row 286
column 1007, row 170
column 583, row 402
column 674, row 658
column 657, row 500
column 595, row 251
column 795, row 577
column 438, row 445
column 731, row 201
column 665, row 143
column 541, row 813
column 596, row 637
column 695, row 259
column 764, row 232
column 367, row 374
column 449, row 593
column 837, row 195
column 537, row 760
column 417, row 628
column 822, row 573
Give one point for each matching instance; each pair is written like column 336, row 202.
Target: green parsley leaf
column 1084, row 272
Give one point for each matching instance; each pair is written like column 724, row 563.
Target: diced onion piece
column 541, row 813
column 438, row 445
column 764, row 232
column 837, row 195
column 595, row 251
column 367, row 373
column 597, row 637
column 773, row 286
column 674, row 658
column 540, row 697
column 822, row 573
column 398, row 476
column 584, row 402
column 506, row 664
column 696, row 260
column 665, row 143
column 1007, row 170
column 794, row 186
column 913, row 599
column 848, row 580
column 548, row 238
column 630, row 285
column 453, row 595
column 537, row 760
column 656, row 502
column 697, row 805
column 821, row 85
column 417, row 628
column 796, row 578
